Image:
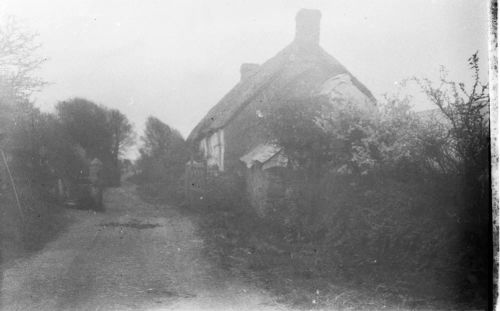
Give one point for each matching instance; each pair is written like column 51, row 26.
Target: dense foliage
column 396, row 199
column 46, row 147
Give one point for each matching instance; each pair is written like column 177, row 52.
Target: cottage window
column 212, row 148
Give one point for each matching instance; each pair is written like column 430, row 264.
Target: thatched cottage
column 231, row 138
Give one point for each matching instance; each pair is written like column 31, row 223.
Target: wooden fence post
column 13, row 185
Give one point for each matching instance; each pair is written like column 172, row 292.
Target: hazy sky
column 176, row 59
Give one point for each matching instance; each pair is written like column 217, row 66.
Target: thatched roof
column 297, row 61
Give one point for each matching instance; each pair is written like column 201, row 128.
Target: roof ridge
column 244, row 86
column 246, row 90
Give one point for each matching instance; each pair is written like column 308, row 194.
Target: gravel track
column 135, row 256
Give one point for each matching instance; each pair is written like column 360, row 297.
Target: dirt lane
column 136, row 256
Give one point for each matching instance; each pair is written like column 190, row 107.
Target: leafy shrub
column 224, row 192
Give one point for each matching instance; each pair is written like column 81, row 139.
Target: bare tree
column 467, row 110
column 19, row 61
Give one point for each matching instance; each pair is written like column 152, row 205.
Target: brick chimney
column 248, row 69
column 307, row 27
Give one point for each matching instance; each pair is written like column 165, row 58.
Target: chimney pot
column 307, row 27
column 247, row 70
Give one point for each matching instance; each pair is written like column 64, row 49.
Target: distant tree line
column 163, row 155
